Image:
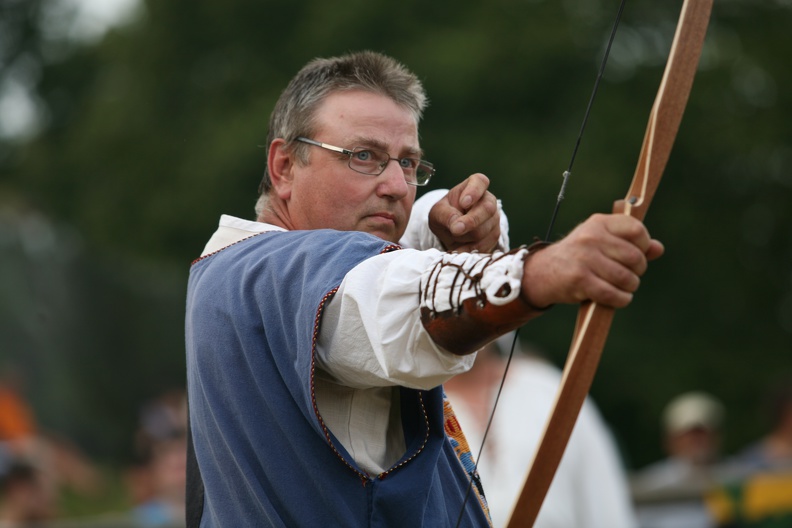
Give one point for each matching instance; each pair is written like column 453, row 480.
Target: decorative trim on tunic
column 462, row 449
column 317, row 320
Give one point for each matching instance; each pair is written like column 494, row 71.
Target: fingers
column 467, row 219
column 481, row 223
column 601, row 260
column 610, row 283
column 622, row 259
column 469, row 192
column 605, row 292
column 632, row 246
column 656, row 250
column 473, row 205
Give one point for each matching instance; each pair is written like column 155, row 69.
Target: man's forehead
column 359, row 118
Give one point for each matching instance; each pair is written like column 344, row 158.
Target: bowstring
column 567, row 173
column 561, row 195
column 486, row 429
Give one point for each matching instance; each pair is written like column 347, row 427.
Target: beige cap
column 690, row 410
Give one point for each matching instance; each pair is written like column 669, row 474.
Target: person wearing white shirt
column 590, row 487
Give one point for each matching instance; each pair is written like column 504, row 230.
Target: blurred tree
column 153, row 131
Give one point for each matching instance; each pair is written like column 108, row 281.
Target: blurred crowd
column 34, row 464
column 694, row 486
column 38, row 468
column 157, row 481
column 697, row 486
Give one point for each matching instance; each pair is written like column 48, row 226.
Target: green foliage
column 155, row 131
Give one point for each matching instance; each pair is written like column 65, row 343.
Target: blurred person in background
column 48, row 461
column 26, row 498
column 759, row 500
column 590, row 487
column 760, row 496
column 774, row 450
column 158, row 481
column 18, row 430
column 670, row 493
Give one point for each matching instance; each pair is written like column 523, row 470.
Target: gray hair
column 294, row 113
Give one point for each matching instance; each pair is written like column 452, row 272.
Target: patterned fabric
column 457, row 438
column 763, row 500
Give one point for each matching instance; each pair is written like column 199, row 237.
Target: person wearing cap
column 692, row 425
column 670, row 492
column 319, row 335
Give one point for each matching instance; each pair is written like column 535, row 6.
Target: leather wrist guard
column 470, row 299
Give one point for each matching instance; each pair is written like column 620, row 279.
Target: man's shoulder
column 309, row 247
column 326, row 239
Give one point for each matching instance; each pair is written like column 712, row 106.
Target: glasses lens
column 424, row 172
column 368, row 161
column 373, row 161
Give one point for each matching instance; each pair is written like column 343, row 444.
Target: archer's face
column 326, row 193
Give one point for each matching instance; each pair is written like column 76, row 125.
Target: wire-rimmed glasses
column 366, row 160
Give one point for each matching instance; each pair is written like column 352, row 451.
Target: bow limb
column 594, row 320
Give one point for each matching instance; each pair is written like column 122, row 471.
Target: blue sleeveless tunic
column 260, row 454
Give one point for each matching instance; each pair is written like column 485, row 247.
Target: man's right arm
column 601, row 260
column 371, row 333
column 409, row 317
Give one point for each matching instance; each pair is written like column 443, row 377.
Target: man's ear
column 280, row 163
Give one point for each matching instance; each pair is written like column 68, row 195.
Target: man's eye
column 363, row 155
column 407, row 163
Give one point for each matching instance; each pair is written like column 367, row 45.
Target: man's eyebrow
column 366, row 141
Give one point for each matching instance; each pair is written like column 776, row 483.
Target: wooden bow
column 594, row 320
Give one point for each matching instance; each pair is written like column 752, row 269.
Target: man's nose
column 392, row 180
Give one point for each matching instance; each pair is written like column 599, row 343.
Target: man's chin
column 384, row 230
column 389, row 236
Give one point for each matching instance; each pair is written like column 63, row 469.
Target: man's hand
column 601, row 260
column 467, row 218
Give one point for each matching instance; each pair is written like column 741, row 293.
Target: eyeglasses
column 373, row 161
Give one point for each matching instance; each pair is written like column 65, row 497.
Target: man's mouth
column 384, row 216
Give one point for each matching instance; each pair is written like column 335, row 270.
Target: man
column 317, row 346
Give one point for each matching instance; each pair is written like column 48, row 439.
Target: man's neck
column 269, row 215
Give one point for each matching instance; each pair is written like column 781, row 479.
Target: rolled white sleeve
column 372, row 335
